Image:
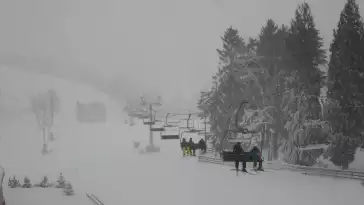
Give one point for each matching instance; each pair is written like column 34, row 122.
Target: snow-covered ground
column 99, row 158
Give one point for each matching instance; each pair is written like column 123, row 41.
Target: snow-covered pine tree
column 68, row 190
column 45, row 182
column 13, row 182
column 272, row 47
column 305, row 47
column 215, row 102
column 61, row 181
column 27, row 183
column 346, row 83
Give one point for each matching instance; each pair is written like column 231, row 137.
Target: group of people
column 190, row 147
column 238, row 149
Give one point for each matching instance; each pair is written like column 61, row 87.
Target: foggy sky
column 166, row 45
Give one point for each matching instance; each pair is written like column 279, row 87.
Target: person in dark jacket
column 202, row 145
column 237, row 149
column 191, row 146
column 256, row 154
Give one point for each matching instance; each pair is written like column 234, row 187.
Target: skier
column 257, row 158
column 202, row 145
column 237, row 149
column 184, row 146
column 191, row 147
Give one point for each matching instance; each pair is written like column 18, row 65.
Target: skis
column 247, row 172
column 251, row 171
column 94, row 199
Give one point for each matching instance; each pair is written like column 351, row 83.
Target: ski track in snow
column 99, row 158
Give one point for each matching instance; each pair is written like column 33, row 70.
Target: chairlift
column 157, row 129
column 229, row 156
column 170, row 136
column 143, row 116
column 172, row 124
column 207, row 134
column 192, row 130
column 138, row 114
column 148, row 122
column 188, row 123
column 189, row 129
column 175, row 135
column 133, row 114
column 166, row 122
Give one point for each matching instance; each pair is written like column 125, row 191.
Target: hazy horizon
column 167, row 47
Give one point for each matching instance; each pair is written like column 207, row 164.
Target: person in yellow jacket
column 184, row 147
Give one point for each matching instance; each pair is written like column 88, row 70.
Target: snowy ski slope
column 99, row 158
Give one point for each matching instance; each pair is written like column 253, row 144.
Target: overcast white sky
column 168, row 45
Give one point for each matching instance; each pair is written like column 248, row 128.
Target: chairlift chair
column 207, row 134
column 133, row 114
column 229, row 156
column 148, row 122
column 169, row 136
column 142, row 116
column 157, row 129
column 177, row 136
column 138, row 114
column 189, row 129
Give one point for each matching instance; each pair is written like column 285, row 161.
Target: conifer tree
column 346, row 82
column 68, row 190
column 218, row 101
column 305, row 46
column 272, row 47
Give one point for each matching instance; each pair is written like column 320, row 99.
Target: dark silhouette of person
column 256, row 157
column 238, row 149
column 202, row 145
column 191, row 146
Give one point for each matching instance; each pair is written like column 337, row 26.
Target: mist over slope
column 21, row 142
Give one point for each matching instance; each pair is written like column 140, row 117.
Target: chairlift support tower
column 151, row 119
